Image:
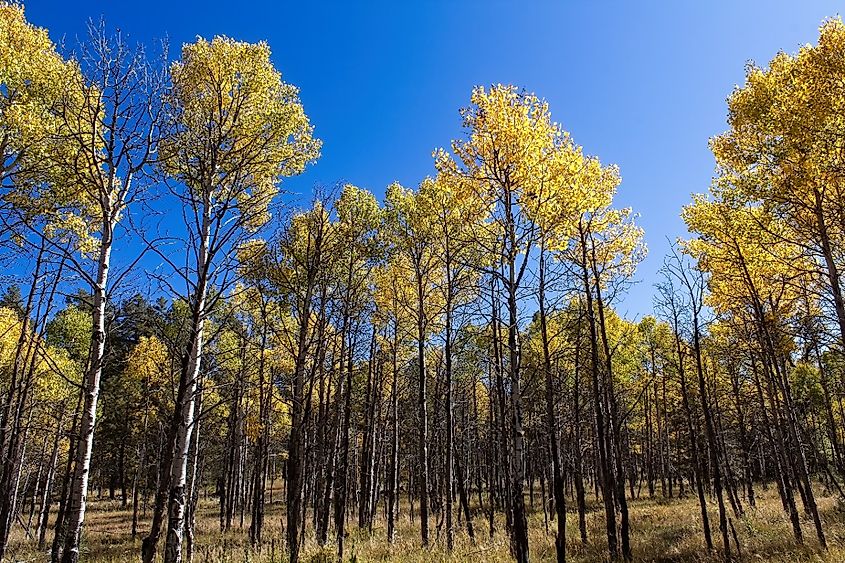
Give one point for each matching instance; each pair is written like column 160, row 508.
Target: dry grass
column 660, row 531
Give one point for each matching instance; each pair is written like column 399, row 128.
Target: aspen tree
column 237, row 130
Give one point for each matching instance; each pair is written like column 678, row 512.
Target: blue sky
column 639, row 84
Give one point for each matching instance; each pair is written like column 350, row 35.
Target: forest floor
column 661, row 530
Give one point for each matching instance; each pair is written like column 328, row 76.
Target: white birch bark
column 91, row 391
column 179, row 467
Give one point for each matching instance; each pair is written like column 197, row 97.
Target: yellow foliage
column 147, row 362
column 239, row 129
column 33, row 77
column 746, row 253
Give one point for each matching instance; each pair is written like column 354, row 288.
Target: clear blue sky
column 639, row 84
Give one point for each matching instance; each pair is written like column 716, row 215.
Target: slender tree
column 237, row 129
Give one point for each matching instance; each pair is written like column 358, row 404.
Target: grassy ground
column 660, row 531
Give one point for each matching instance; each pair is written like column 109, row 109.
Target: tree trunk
column 91, row 386
column 606, row 480
column 422, row 411
column 183, row 422
column 450, row 423
column 551, row 422
column 519, row 536
column 393, row 495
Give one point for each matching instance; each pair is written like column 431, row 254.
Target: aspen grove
column 442, row 373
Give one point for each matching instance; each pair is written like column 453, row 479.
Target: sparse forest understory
column 663, row 529
column 197, row 366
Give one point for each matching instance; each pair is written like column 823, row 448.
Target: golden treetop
column 239, row 129
column 32, row 80
column 787, row 130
